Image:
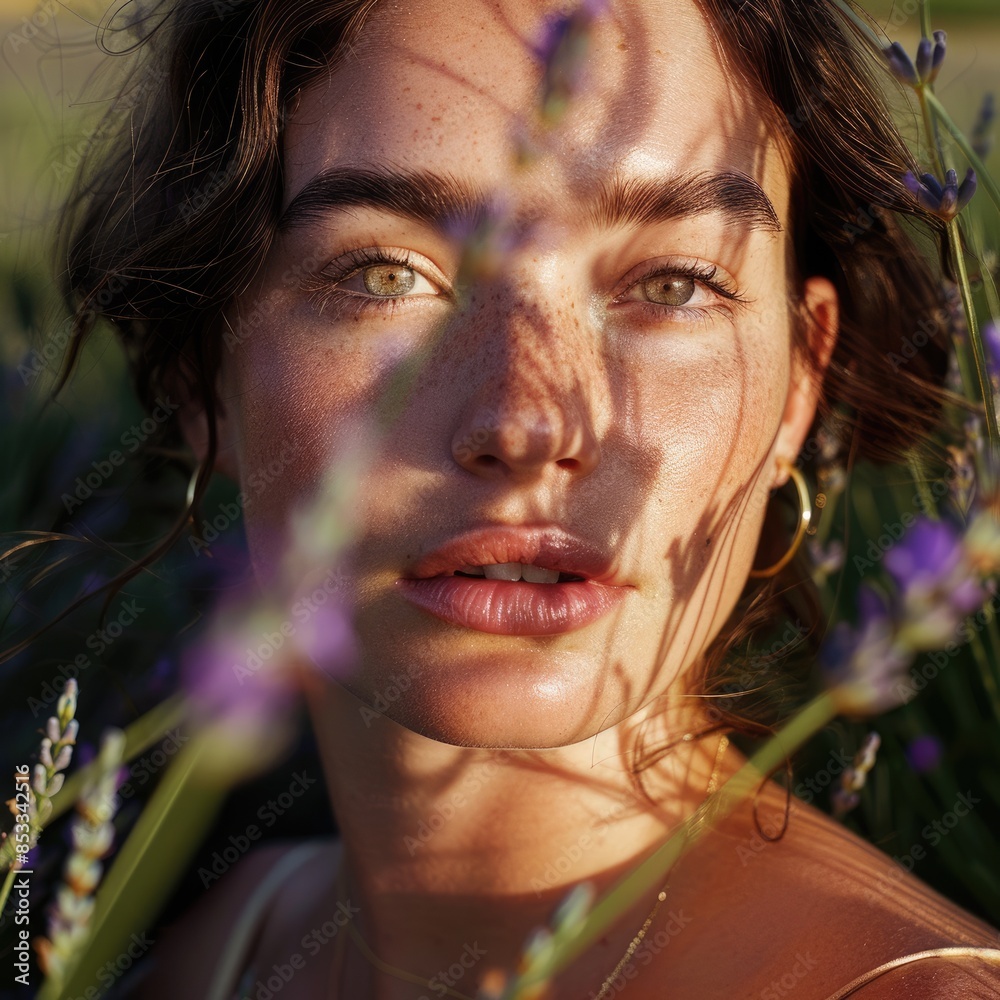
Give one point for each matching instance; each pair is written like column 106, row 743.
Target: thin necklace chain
column 409, row 977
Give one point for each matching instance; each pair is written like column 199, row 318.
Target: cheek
column 296, row 412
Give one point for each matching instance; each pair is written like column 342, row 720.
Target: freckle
column 436, row 118
column 420, row 107
column 623, row 46
column 708, row 541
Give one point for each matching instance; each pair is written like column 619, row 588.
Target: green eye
column 388, row 279
column 668, row 289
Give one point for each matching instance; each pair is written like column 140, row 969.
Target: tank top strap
column 986, row 954
column 246, row 929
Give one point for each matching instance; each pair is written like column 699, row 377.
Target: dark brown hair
column 147, row 249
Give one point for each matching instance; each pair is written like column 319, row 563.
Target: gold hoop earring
column 805, row 505
column 193, row 483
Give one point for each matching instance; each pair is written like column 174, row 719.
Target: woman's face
column 617, row 367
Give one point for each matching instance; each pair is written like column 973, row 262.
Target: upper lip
column 548, row 548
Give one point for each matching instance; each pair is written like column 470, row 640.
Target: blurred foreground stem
column 631, row 889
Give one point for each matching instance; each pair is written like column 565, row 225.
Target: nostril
column 568, row 463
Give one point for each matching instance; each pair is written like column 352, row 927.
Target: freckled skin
column 692, row 413
column 654, row 434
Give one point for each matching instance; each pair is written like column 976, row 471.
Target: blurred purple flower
column 981, row 138
column 924, row 753
column 991, row 341
column 864, row 665
column 943, row 200
column 562, row 49
column 926, row 554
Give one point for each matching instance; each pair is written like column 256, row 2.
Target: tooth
column 473, row 570
column 503, row 571
column 535, row 574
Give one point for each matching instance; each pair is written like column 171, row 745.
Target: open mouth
column 514, row 572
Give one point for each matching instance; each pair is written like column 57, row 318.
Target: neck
column 449, row 846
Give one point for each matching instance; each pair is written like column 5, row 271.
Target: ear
column 820, row 317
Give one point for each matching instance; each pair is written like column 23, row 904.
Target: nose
column 532, row 410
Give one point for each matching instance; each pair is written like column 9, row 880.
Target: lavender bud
column 66, row 706
column 925, row 51
column 940, row 40
column 45, row 753
column 55, row 783
column 52, row 729
column 933, row 184
column 64, row 757
column 949, row 197
column 71, row 731
column 968, row 189
column 39, row 783
column 900, row 64
column 982, row 132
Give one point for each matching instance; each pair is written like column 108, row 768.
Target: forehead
column 455, row 88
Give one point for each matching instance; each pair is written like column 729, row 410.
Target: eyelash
column 322, row 287
column 323, row 291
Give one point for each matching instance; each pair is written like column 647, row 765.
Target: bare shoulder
column 185, row 957
column 813, row 907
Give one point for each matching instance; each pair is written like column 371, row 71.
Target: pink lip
column 504, row 608
column 549, row 548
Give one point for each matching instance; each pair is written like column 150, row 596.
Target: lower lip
column 504, row 608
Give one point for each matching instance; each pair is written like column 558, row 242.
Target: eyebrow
column 442, row 201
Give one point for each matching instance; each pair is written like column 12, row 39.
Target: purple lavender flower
column 924, row 753
column 927, row 554
column 864, row 665
column 982, row 132
column 943, row 200
column 561, row 50
column 930, row 56
column 991, row 341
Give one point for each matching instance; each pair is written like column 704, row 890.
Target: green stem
column 986, row 673
column 927, row 500
column 631, row 889
column 933, row 138
column 8, row 884
column 956, row 133
column 860, row 24
column 975, row 338
column 925, row 18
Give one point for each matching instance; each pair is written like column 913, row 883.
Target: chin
column 496, row 692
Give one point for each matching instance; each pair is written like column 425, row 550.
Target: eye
column 693, row 290
column 388, row 280
column 376, row 279
column 665, row 289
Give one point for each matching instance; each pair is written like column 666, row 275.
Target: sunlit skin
column 653, row 429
